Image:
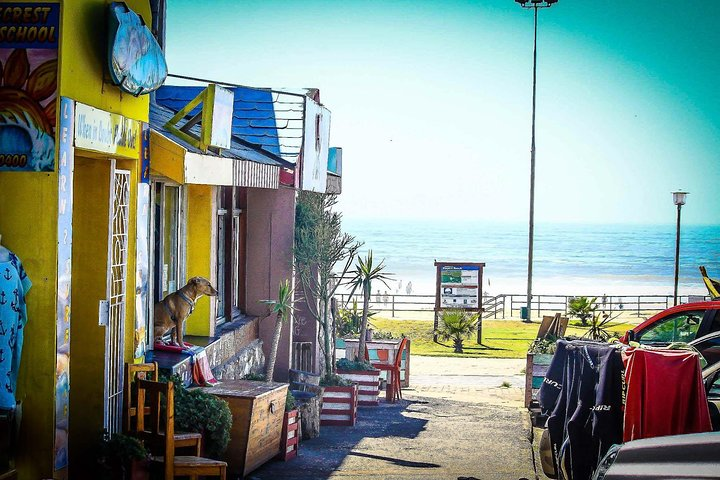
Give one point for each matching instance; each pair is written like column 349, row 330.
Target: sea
column 569, row 259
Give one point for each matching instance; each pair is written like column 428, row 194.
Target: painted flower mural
column 28, row 93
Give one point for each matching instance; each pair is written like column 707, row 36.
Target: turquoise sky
column 431, row 100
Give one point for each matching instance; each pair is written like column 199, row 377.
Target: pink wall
column 270, row 236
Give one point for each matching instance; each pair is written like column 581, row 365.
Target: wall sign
column 28, row 54
column 106, row 132
column 459, row 286
column 136, row 62
column 64, row 272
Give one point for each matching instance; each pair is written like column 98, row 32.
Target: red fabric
column 665, row 394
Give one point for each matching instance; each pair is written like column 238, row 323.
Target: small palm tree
column 283, row 309
column 457, row 325
column 582, row 308
column 365, row 273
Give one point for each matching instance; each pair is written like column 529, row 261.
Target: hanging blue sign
column 136, row 61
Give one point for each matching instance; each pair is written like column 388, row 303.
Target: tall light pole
column 679, row 200
column 535, row 5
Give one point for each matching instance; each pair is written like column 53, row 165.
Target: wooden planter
column 339, row 406
column 368, row 385
column 536, row 367
column 257, row 411
column 289, row 441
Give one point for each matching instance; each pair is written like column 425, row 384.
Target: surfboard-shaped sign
column 136, row 62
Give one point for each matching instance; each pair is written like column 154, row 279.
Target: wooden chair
column 393, row 391
column 142, row 371
column 160, row 429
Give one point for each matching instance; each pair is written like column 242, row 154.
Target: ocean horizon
column 569, row 259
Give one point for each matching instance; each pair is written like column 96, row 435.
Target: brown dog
column 171, row 313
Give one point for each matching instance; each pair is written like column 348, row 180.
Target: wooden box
column 257, row 411
column 368, row 385
column 339, row 406
column 536, row 367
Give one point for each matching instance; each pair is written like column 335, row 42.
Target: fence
column 508, row 305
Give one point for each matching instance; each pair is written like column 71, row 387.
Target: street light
column 535, row 5
column 679, row 200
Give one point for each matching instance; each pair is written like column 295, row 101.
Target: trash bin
column 523, row 313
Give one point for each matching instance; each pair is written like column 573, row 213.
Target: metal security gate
column 117, row 276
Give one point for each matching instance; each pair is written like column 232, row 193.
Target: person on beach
column 399, row 287
column 408, row 288
column 377, row 297
column 385, row 298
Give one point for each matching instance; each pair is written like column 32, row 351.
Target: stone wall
column 237, row 351
column 250, row 359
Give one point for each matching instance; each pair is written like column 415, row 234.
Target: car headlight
column 606, row 462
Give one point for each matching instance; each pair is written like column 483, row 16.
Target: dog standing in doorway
column 173, row 310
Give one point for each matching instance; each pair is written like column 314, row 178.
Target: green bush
column 256, row 377
column 116, row 453
column 353, row 365
column 198, row 411
column 290, row 403
column 334, row 381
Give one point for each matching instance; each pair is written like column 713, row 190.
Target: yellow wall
column 83, row 58
column 28, row 214
column 28, row 224
column 199, row 248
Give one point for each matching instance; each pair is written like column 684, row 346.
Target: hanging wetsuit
column 14, row 285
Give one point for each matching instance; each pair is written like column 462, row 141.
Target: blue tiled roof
column 253, row 113
column 160, row 115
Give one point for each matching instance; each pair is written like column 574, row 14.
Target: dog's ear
column 194, row 280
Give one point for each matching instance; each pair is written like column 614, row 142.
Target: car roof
column 684, row 307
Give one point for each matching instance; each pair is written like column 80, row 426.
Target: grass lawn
column 501, row 338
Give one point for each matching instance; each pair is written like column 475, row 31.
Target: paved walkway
column 460, row 424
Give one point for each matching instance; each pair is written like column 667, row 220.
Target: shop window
column 230, row 254
column 167, row 254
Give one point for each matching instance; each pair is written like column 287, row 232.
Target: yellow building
column 68, row 209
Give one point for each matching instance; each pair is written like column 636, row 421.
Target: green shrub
column 334, row 381
column 256, row 377
column 198, row 411
column 353, row 365
column 290, row 403
column 116, row 453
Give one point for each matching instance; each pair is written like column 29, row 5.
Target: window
column 230, row 253
column 167, row 266
column 710, row 349
column 681, row 327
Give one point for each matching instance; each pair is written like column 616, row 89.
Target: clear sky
column 431, row 100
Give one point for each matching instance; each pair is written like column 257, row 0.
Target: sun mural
column 27, row 112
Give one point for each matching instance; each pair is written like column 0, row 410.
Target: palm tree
column 365, row 273
column 457, row 325
column 283, row 309
column 582, row 307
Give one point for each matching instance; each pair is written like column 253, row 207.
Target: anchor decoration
column 2, row 355
column 2, row 298
column 7, row 275
column 2, row 328
column 15, row 304
column 8, row 384
column 13, row 338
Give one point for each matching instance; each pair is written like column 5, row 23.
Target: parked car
column 709, row 347
column 682, row 323
column 693, row 456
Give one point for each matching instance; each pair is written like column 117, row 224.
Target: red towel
column 665, row 394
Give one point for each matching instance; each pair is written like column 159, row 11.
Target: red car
column 682, row 323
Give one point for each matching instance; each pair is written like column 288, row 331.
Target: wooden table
column 257, row 411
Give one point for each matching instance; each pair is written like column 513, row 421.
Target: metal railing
column 508, row 305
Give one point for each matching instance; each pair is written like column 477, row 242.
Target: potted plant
column 365, row 376
column 339, row 401
column 457, row 325
column 290, row 440
column 199, row 411
column 537, row 362
column 283, row 309
column 123, row 457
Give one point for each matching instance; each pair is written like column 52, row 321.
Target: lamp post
column 679, row 200
column 535, row 5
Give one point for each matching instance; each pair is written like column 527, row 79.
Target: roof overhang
column 171, row 160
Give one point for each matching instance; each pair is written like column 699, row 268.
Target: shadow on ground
column 319, row 457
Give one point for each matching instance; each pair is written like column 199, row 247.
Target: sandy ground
column 495, row 381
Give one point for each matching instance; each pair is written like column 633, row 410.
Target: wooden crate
column 257, row 411
column 536, row 367
column 368, row 382
column 289, row 440
column 339, row 406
